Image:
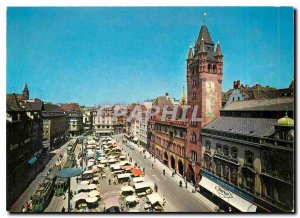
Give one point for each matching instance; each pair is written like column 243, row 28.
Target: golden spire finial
column 183, row 98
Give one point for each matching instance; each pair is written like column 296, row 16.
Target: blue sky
column 123, row 55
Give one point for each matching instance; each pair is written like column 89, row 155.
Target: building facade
column 74, row 119
column 168, row 143
column 249, row 157
column 23, row 142
column 103, row 121
column 54, row 126
column 87, row 121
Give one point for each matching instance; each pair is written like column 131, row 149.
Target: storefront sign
column 227, row 186
column 223, row 193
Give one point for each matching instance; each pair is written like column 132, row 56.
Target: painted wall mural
column 210, row 98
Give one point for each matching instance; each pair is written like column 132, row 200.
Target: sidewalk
column 177, row 178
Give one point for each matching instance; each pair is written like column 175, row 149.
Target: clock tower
column 204, row 71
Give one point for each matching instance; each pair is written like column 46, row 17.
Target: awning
column 228, row 196
column 111, row 202
column 90, row 142
column 32, row 160
column 153, row 198
column 127, row 189
column 124, row 175
column 143, row 185
column 91, row 199
column 94, row 193
column 112, row 160
column 92, row 186
column 90, row 155
column 91, row 146
column 101, row 165
column 88, row 172
column 80, row 196
column 131, row 198
column 136, row 172
column 138, row 179
column 123, row 163
column 126, row 167
column 82, row 187
column 84, row 183
column 116, row 167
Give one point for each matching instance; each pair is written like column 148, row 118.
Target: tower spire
column 190, row 55
column 202, row 46
column 218, row 50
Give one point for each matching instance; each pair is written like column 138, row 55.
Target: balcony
column 278, row 143
column 228, row 159
column 276, row 175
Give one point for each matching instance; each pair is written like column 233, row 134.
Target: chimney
column 234, row 84
column 238, row 84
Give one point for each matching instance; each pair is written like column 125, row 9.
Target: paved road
column 17, row 206
column 58, row 202
column 178, row 199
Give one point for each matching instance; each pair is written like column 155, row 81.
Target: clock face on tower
column 210, row 98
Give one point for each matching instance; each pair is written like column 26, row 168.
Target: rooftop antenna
column 204, row 15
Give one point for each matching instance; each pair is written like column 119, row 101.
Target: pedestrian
column 109, row 181
column 164, row 200
column 152, row 166
column 185, row 184
column 63, row 210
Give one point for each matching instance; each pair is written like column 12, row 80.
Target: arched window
column 193, row 156
column 207, row 145
column 194, row 137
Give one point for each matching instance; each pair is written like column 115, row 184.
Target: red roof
column 136, row 172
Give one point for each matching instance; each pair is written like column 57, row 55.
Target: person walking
column 109, row 181
column 63, row 210
column 164, row 200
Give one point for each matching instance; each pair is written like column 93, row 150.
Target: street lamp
column 69, row 173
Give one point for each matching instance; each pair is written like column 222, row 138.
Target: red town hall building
column 177, row 143
column 204, row 80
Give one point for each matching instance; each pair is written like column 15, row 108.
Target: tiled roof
column 272, row 104
column 48, row 107
column 34, row 105
column 204, row 33
column 161, row 101
column 246, row 126
column 70, row 107
column 12, row 103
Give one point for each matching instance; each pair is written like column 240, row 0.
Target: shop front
column 226, row 196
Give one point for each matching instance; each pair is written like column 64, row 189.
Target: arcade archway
column 166, row 159
column 173, row 163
